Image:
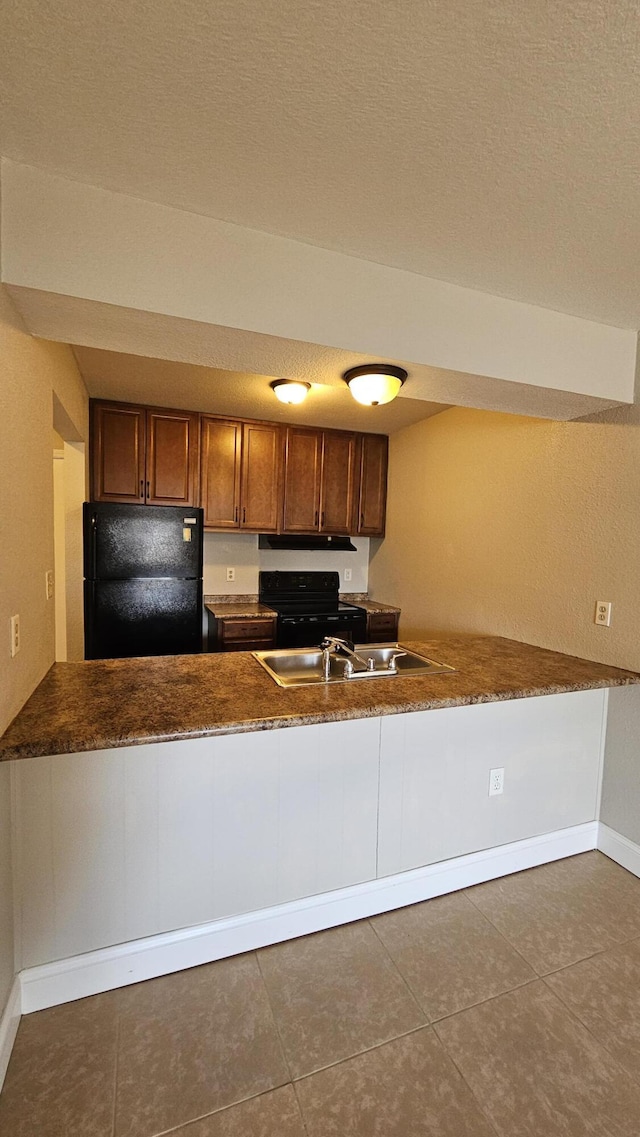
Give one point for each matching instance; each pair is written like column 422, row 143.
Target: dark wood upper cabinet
column 337, row 482
column 372, row 498
column 220, row 473
column 302, row 467
column 240, row 475
column 172, row 457
column 261, row 477
column 118, row 442
column 146, row 455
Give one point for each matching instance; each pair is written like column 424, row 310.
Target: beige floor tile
column 194, row 1042
column 406, row 1088
column 450, row 955
column 275, row 1114
column 563, row 912
column 537, row 1071
column 604, row 992
column 61, row 1077
column 334, row 994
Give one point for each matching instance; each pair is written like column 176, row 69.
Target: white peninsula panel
column 120, row 844
column 434, row 775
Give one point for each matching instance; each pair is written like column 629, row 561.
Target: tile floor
column 511, row 1009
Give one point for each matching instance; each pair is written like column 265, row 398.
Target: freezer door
column 124, row 541
column 142, row 617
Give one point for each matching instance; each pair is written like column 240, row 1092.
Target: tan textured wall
column 515, row 527
column 30, row 372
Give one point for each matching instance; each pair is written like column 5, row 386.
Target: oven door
column 309, row 631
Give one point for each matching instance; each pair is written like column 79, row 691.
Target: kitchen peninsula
column 164, row 817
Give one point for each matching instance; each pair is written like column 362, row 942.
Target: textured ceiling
column 487, row 142
column 149, row 336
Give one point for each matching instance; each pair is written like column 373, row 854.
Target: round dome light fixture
column 290, row 390
column 373, row 384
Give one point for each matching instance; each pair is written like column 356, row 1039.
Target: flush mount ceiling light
column 374, row 383
column 290, row 390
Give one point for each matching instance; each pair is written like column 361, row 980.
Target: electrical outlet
column 347, row 575
column 231, row 574
column 496, row 781
column 48, row 584
column 603, row 613
column 15, row 635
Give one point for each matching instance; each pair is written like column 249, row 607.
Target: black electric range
column 309, row 608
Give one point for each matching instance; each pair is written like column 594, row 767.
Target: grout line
column 405, row 981
column 300, row 1109
column 184, row 1125
column 489, row 999
column 273, row 1016
column 115, row 1074
column 599, row 1042
column 359, row 1053
column 481, row 1108
column 502, row 934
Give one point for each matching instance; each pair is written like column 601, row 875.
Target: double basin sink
column 301, row 666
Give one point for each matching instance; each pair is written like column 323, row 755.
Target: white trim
column 9, row 1023
column 102, row 970
column 619, row 848
column 603, row 747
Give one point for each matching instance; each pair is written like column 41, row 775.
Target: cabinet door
column 303, row 455
column 337, row 482
column 220, row 473
column 172, row 457
column 373, row 485
column 118, row 452
column 261, row 467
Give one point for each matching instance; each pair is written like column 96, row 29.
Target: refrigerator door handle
column 94, row 544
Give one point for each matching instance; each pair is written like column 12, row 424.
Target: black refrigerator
column 143, row 580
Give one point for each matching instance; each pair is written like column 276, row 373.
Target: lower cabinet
column 434, row 776
column 243, row 634
column 382, row 627
column 177, row 834
column 120, row 844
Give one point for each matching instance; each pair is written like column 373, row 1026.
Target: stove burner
column 309, row 608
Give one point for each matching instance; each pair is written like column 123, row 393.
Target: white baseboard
column 621, row 850
column 9, row 1023
column 118, row 966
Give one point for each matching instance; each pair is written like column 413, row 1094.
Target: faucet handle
column 392, row 665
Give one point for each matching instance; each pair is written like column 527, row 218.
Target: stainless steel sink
column 301, row 666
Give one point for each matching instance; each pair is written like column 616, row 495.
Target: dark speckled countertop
column 124, row 702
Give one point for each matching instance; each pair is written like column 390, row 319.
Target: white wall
column 62, row 237
column 240, row 551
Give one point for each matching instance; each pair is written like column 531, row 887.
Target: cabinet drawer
column 232, row 631
column 247, row 645
column 383, row 620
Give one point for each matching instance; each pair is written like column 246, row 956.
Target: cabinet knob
column 142, row 488
column 236, row 515
column 316, row 518
column 322, row 520
column 244, row 515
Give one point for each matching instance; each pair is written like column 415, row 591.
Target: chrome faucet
column 332, row 645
